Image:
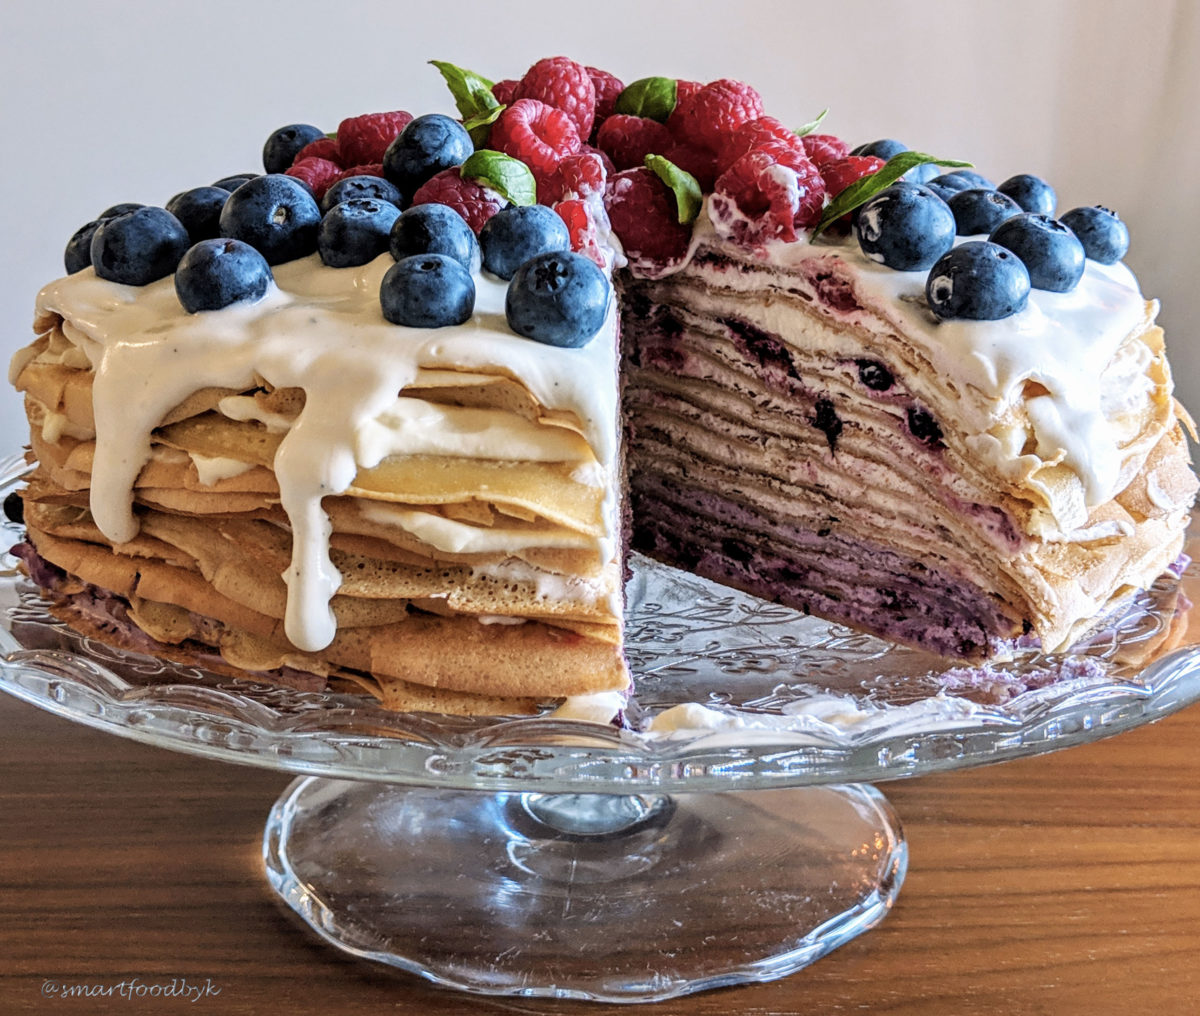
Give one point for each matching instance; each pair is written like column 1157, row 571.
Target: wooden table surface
column 1063, row 884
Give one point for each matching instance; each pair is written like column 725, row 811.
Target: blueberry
column 952, row 183
column 14, row 508
column 364, row 186
column 427, row 291
column 216, row 273
column 977, row 280
column 112, row 211
column 138, row 247
column 558, row 298
column 923, row 426
column 923, row 173
column 515, row 234
column 1031, row 192
column 281, row 147
column 1051, row 252
column 905, row 227
column 1104, row 236
column 435, row 229
column 875, row 375
column 199, row 209
column 356, row 231
column 884, row 148
column 426, row 146
column 971, row 178
column 78, row 254
column 980, row 211
column 232, row 183
column 275, row 214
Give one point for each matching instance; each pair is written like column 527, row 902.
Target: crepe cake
column 294, row 488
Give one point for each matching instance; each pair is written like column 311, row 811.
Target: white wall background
column 137, row 99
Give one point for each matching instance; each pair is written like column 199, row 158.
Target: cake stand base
column 591, row 896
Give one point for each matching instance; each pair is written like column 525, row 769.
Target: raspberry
column 775, row 190
column 368, row 169
column 646, row 220
column 750, row 135
column 584, row 236
column 319, row 174
column 364, row 139
column 577, row 176
column 322, row 148
column 841, row 173
column 717, row 109
column 609, row 168
column 563, row 84
column 702, row 164
column 472, row 201
column 608, row 87
column 505, row 91
column 629, row 139
column 685, row 90
column 538, row 135
column 823, row 148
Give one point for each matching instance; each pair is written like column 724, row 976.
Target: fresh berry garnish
column 360, row 186
column 716, row 110
column 608, row 87
column 427, row 291
column 565, row 85
column 980, row 211
column 216, row 273
column 320, row 148
column 841, row 173
column 537, row 134
column 883, row 149
column 775, row 190
column 823, row 148
column 78, row 254
column 560, row 299
column 112, row 211
column 645, row 218
column 199, row 209
column 366, row 169
column 629, row 139
column 581, row 228
column 276, row 215
column 355, row 231
column 577, row 176
column 1104, row 236
column 427, row 146
column 1031, row 192
column 364, row 139
column 906, row 227
column 700, row 162
column 435, row 229
column 138, row 247
column 505, row 91
column 750, row 135
column 318, row 174
column 609, row 168
column 1052, row 254
column 284, row 144
column 514, row 235
column 471, row 200
column 978, row 281
column 234, row 181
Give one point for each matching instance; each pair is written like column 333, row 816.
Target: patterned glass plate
column 759, row 696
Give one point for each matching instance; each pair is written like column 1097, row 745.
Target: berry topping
column 360, row 186
column 14, row 508
column 216, row 273
column 775, row 189
column 320, row 148
column 427, row 146
column 717, row 109
column 356, row 231
column 559, row 298
column 505, row 91
column 199, row 209
column 883, row 149
column 318, row 174
column 1052, row 254
column 538, row 134
column 875, row 375
column 577, row 217
column 979, row 281
column 629, row 139
column 980, row 211
column 234, row 181
column 471, row 200
column 1032, row 193
column 608, row 87
column 949, row 184
column 906, row 227
column 283, row 145
column 700, row 162
column 839, row 174
column 645, row 218
column 514, row 235
column 564, row 85
column 112, row 211
column 364, row 139
column 435, row 229
column 78, row 254
column 577, row 176
column 276, row 215
column 750, row 135
column 823, row 148
column 138, row 247
column 427, row 291
column 1104, row 236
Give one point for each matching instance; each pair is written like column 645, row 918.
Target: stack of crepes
column 319, row 496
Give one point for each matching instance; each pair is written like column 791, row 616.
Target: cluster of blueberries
column 220, row 241
column 912, row 225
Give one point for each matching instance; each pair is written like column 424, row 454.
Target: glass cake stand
column 724, row 832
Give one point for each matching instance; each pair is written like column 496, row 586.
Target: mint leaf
column 483, row 119
column 508, row 177
column 653, row 98
column 688, row 196
column 472, row 92
column 861, row 191
column 812, row 125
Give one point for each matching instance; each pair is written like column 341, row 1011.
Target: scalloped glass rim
column 804, row 701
